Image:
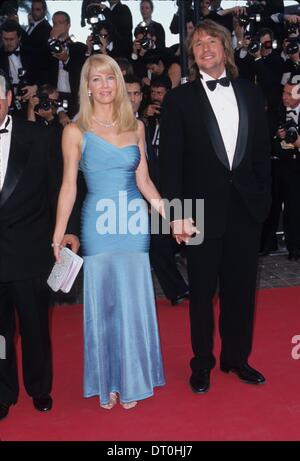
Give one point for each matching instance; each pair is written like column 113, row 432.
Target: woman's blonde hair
column 122, row 108
column 215, row 30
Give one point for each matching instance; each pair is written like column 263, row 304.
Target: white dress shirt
column 63, row 81
column 225, row 108
column 14, row 64
column 5, row 139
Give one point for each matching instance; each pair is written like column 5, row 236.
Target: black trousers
column 162, row 258
column 285, row 190
column 30, row 299
column 231, row 261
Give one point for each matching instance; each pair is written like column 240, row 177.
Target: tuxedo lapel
column 243, row 125
column 17, row 160
column 211, row 124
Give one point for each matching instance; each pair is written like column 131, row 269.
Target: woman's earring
column 89, row 93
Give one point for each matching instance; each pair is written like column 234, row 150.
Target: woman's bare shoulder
column 140, row 128
column 72, row 131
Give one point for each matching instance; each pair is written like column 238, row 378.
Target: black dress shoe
column 4, row 409
column 200, row 381
column 42, row 402
column 245, row 373
column 180, row 298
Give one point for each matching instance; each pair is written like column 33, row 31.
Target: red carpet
column 231, row 410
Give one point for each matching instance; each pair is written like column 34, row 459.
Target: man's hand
column 151, row 110
column 63, row 56
column 63, row 118
column 30, row 90
column 183, row 229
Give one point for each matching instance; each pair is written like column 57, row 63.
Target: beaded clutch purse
column 64, row 273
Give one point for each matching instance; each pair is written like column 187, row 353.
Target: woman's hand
column 68, row 239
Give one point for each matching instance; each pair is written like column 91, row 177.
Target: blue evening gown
column 121, row 341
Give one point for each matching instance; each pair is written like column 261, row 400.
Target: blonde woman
column 122, row 358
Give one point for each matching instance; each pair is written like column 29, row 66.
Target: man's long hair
column 215, row 30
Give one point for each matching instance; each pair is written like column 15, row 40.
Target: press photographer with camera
column 267, row 66
column 101, row 39
column 66, row 59
column 291, row 50
column 286, row 175
column 17, row 62
column 42, row 107
column 146, row 9
column 119, row 16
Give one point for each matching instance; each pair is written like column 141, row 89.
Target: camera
column 19, row 92
column 255, row 7
column 292, row 46
column 255, row 45
column 245, row 19
column 92, row 11
column 46, row 103
column 97, row 21
column 291, row 29
column 56, row 46
column 253, row 13
column 291, row 128
column 147, row 43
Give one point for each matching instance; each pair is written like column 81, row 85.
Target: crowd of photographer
column 44, row 64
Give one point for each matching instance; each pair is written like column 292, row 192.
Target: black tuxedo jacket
column 37, row 44
column 32, row 73
column 40, row 34
column 193, row 159
column 121, row 19
column 28, row 203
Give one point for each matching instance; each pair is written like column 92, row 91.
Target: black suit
column 194, row 165
column 121, row 19
column 27, row 211
column 37, row 43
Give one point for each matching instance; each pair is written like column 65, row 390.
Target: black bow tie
column 16, row 53
column 212, row 84
column 4, row 130
column 291, row 111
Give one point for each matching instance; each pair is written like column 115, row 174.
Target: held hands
column 183, row 229
column 68, row 239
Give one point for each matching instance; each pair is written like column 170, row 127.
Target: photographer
column 144, row 40
column 42, row 107
column 267, row 65
column 286, row 175
column 119, row 16
column 66, row 60
column 291, row 49
column 15, row 60
column 101, row 39
column 146, row 9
